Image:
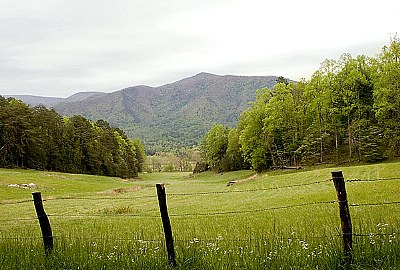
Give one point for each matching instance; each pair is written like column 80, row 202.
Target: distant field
column 276, row 220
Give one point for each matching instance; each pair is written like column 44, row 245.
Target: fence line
column 201, row 214
column 373, row 204
column 17, row 202
column 103, row 215
column 194, row 214
column 338, row 180
column 247, row 190
column 373, row 180
column 202, row 193
column 251, row 211
column 174, row 215
column 172, row 194
column 18, row 219
column 100, row 198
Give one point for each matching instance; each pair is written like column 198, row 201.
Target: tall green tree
column 40, row 138
column 348, row 110
column 16, row 133
column 140, row 154
column 215, row 144
column 319, row 98
column 280, row 124
column 46, row 144
column 85, row 156
column 234, row 154
column 355, row 88
column 387, row 95
column 255, row 144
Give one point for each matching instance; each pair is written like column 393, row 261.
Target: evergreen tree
column 40, row 138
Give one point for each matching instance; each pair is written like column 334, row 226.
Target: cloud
column 61, row 47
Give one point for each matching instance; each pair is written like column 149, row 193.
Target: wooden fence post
column 44, row 222
column 345, row 219
column 162, row 201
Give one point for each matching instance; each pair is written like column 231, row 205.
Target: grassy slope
column 109, row 209
column 58, row 185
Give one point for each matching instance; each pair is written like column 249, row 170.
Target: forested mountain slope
column 176, row 114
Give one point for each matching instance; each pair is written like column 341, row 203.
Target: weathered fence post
column 162, row 201
column 345, row 219
column 44, row 222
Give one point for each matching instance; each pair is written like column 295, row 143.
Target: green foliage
column 372, row 149
column 234, row 154
column 252, row 139
column 169, row 168
column 387, row 95
column 215, row 145
column 222, row 150
column 348, row 111
column 39, row 138
column 182, row 161
column 175, row 115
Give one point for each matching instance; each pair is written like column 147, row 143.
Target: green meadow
column 282, row 219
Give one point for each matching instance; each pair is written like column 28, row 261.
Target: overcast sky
column 57, row 48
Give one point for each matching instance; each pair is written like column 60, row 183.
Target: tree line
column 40, row 138
column 348, row 111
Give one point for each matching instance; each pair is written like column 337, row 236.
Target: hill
column 289, row 219
column 36, row 100
column 52, row 101
column 173, row 115
column 80, row 96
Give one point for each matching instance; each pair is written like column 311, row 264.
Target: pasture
column 282, row 219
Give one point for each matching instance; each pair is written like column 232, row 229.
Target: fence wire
column 250, row 211
column 194, row 214
column 169, row 194
column 102, row 215
column 100, row 198
column 16, row 202
column 373, row 180
column 201, row 193
column 247, row 190
column 200, row 214
column 373, row 204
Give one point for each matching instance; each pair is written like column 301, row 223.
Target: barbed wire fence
column 196, row 193
column 48, row 237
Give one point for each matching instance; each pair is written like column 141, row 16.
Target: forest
column 348, row 111
column 40, row 138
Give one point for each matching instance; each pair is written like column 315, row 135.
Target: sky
column 57, row 48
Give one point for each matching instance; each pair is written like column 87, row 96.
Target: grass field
column 277, row 220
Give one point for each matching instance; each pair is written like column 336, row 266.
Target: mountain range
column 169, row 116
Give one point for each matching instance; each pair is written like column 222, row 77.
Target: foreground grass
column 111, row 223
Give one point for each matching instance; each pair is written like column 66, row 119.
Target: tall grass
column 378, row 252
column 114, row 224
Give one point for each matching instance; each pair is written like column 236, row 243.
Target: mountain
column 81, row 96
column 173, row 115
column 52, row 101
column 36, row 100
